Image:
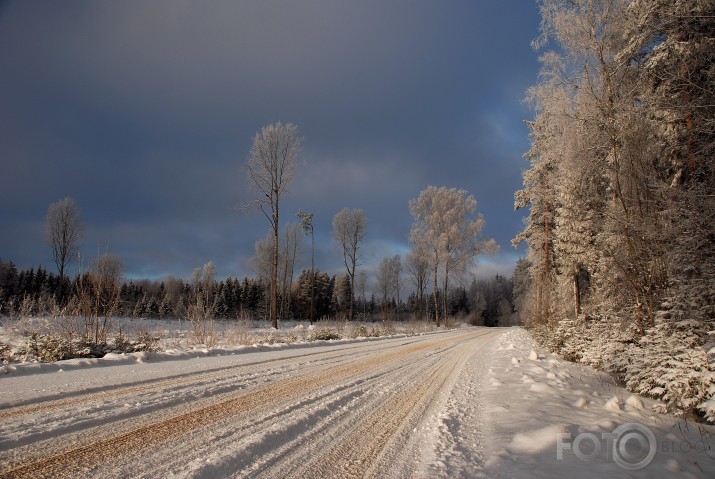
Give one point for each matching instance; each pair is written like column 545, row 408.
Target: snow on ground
column 526, row 413
column 476, row 402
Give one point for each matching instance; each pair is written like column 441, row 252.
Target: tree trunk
column 312, row 276
column 352, row 288
column 446, row 284
column 274, row 272
column 436, row 301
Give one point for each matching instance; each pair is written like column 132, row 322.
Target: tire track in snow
column 372, row 448
column 24, row 429
column 93, row 395
column 27, row 425
column 275, row 441
column 83, row 459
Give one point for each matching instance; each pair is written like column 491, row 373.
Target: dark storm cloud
column 144, row 113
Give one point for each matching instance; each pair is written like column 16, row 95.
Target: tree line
column 621, row 193
column 37, row 292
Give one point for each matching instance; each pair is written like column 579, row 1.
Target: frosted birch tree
column 105, row 282
column 262, row 259
column 271, row 168
column 448, row 227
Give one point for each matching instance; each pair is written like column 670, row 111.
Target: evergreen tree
column 141, row 308
column 166, row 309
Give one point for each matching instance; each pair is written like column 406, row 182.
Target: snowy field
column 473, row 402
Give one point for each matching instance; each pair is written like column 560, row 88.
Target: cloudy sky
column 144, row 113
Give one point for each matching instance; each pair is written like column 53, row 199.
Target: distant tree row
column 36, row 292
column 39, row 285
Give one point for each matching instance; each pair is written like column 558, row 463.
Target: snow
column 477, row 402
column 531, row 397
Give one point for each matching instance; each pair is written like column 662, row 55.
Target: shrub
column 45, row 348
column 323, row 334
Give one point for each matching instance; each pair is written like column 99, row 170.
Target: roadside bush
column 323, row 334
column 45, row 349
column 143, row 342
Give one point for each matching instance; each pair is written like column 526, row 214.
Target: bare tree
column 263, row 258
column 98, row 294
column 388, row 279
column 63, row 230
column 361, row 285
column 349, row 230
column 201, row 308
column 417, row 263
column 291, row 251
column 271, row 167
column 209, row 282
column 384, row 281
column 396, row 272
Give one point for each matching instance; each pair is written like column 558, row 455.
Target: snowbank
column 547, row 417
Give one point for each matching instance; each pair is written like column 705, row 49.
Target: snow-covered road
column 334, row 410
column 475, row 402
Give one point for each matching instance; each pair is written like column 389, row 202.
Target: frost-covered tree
column 361, row 286
column 271, row 168
column 262, row 260
column 349, row 228
column 620, row 190
column 522, row 285
column 448, row 227
column 396, row 273
column 673, row 46
column 201, row 304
